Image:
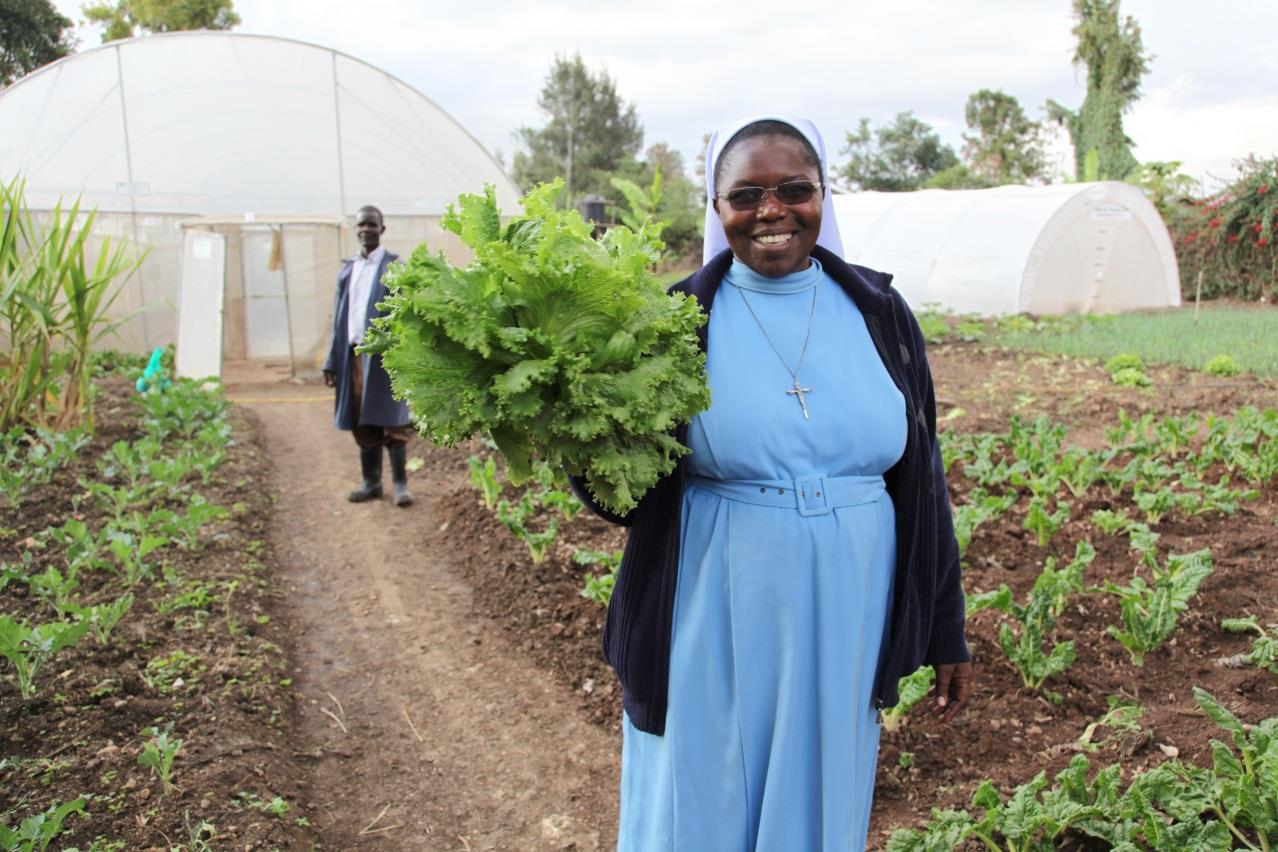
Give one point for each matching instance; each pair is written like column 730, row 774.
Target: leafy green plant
column 643, row 202
column 56, row 588
column 29, row 648
column 912, row 689
column 1151, row 612
column 1131, row 378
column 1222, row 365
column 1264, row 650
column 103, row 618
column 1124, row 361
column 1031, row 819
column 36, row 832
column 483, row 475
column 158, row 752
column 130, row 554
column 1111, row 522
column 978, row 508
column 1035, row 620
column 564, row 349
column 931, row 319
column 1079, row 470
column 598, row 587
column 276, row 806
column 1045, row 524
column 189, row 410
column 515, row 517
column 177, row 670
column 29, row 459
column 54, row 306
column 1122, row 716
column 1174, row 806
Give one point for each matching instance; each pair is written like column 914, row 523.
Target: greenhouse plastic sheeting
column 216, row 123
column 1092, row 247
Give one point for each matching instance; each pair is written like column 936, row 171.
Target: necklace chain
column 798, row 391
column 794, row 374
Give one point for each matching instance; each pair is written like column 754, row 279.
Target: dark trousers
column 373, row 436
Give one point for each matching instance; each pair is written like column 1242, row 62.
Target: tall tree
column 590, row 131
column 32, row 33
column 1004, row 146
column 127, row 18
column 896, row 157
column 1111, row 50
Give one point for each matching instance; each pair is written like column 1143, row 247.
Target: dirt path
column 424, row 728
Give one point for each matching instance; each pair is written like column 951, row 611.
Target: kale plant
column 563, row 348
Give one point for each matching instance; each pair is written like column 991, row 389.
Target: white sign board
column 199, row 333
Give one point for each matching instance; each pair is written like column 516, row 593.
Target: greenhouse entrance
column 266, row 323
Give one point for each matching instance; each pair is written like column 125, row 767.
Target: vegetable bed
column 1101, row 706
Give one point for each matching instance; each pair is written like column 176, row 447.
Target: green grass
column 1248, row 334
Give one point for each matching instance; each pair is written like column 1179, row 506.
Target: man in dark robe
column 364, row 404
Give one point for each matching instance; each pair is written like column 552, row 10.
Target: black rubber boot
column 399, row 474
column 370, row 459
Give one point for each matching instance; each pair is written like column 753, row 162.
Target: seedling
column 158, row 753
column 29, row 648
column 598, row 587
column 483, row 475
column 1264, row 650
column 38, row 831
column 1123, row 716
column 1045, row 524
column 912, row 689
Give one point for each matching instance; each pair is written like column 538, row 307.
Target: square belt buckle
column 812, row 497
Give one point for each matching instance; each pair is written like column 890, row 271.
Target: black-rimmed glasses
column 790, row 192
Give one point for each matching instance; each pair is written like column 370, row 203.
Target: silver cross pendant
column 798, row 391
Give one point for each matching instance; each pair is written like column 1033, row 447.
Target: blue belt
column 811, row 495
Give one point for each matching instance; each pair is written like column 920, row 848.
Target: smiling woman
column 770, row 201
column 764, row 610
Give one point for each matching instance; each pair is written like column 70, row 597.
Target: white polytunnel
column 248, row 156
column 1079, row 247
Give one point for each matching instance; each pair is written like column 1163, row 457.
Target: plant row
column 81, row 579
column 1232, row 804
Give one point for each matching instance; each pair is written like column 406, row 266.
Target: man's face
column 369, row 230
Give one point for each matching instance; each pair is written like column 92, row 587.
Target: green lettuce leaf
column 562, row 348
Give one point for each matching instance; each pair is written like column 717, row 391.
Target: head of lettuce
column 563, row 348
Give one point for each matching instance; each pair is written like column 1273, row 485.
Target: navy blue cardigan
column 927, row 620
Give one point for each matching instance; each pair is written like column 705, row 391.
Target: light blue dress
column 771, row 740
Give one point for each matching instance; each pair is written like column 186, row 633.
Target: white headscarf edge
column 715, row 239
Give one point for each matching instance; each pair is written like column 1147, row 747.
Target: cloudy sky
column 1211, row 96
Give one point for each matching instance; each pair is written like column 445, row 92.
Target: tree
column 589, row 134
column 32, row 33
column 1115, row 59
column 1004, row 145
column 897, row 157
column 126, row 18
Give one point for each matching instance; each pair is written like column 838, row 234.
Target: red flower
column 1232, row 238
column 1263, row 190
column 1215, row 223
column 1262, row 242
column 1256, row 227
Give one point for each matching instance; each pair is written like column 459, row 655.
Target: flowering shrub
column 1232, row 236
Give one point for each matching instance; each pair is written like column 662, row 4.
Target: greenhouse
column 1078, row 247
column 236, row 162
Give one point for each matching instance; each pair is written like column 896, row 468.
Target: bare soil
column 418, row 683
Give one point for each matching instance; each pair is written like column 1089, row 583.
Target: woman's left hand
column 951, row 690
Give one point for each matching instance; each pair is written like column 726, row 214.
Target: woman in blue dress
column 801, row 558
